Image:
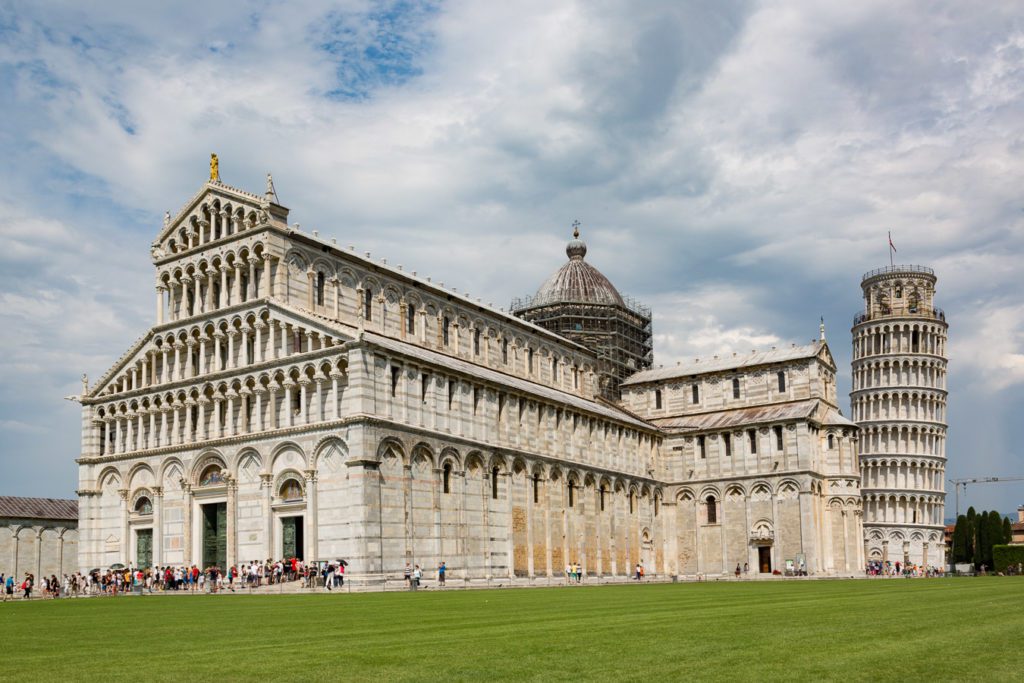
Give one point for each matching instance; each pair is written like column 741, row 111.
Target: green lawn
column 939, row 629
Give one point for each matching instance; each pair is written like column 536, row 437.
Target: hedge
column 1005, row 555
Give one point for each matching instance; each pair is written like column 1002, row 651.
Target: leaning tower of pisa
column 899, row 401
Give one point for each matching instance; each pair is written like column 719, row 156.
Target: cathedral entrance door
column 292, row 537
column 215, row 535
column 144, row 548
column 764, row 559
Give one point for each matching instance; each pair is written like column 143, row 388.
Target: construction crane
column 957, row 483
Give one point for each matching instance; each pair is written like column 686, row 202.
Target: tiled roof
column 725, row 419
column 486, row 374
column 700, row 367
column 38, row 508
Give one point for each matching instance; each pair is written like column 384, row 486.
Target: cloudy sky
column 736, row 165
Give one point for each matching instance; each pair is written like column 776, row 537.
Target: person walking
column 9, row 588
column 441, row 569
column 737, row 570
column 417, row 575
column 408, row 575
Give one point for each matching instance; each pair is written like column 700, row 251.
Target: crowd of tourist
column 212, row 579
column 888, row 568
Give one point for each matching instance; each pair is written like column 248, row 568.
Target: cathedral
column 295, row 398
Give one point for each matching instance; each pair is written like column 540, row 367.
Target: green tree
column 960, row 546
column 1007, row 530
column 971, row 532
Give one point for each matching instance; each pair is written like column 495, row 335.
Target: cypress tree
column 960, row 540
column 1007, row 530
column 971, row 532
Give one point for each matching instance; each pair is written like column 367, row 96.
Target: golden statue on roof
column 214, row 169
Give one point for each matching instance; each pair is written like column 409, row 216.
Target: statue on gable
column 214, row 169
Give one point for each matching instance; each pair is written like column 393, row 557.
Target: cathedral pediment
column 215, row 211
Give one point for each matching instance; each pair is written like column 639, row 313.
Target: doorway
column 144, row 548
column 215, row 535
column 292, row 537
column 764, row 559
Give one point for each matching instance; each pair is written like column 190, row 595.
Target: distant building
column 38, row 536
column 1017, row 528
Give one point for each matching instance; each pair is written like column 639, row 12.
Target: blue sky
column 735, row 165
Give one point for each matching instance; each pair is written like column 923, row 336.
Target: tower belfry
column 899, row 401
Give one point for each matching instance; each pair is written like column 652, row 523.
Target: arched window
column 144, row 506
column 657, row 505
column 735, row 387
column 602, row 499
column 712, row 507
column 368, row 304
column 494, row 482
column 632, row 502
column 572, row 497
column 782, row 382
column 211, row 476
column 410, row 318
column 476, row 342
column 291, row 490
column 831, row 441
column 657, row 399
column 320, row 289
column 447, row 477
column 445, row 326
column 536, row 488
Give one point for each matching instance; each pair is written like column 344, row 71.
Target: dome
column 577, row 281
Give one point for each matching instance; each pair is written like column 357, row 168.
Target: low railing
column 932, row 313
column 898, row 269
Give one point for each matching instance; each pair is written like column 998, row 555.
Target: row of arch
column 886, row 338
column 903, row 474
column 902, row 440
column 211, row 221
column 903, row 508
column 225, row 344
column 899, row 373
column 208, row 285
column 295, row 394
column 906, row 405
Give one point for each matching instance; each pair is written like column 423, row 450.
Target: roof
column 726, row 419
column 486, row 374
column 577, row 281
column 735, row 362
column 833, row 418
column 38, row 508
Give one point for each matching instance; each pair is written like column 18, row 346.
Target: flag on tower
column 891, row 245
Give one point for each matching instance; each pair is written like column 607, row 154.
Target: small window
column 495, row 472
column 445, row 330
column 296, row 400
column 702, row 446
column 319, row 289
column 447, row 477
column 752, row 436
column 602, row 498
column 712, row 507
column 424, row 386
column 476, row 342
column 554, row 369
column 504, row 351
column 657, row 399
column 898, row 292
column 368, row 304
column 501, row 406
column 727, row 440
column 695, row 390
column 529, row 361
column 735, row 387
column 410, row 318
column 831, row 441
column 144, row 506
column 782, row 382
column 572, row 497
column 575, row 377
column 476, row 399
column 395, row 373
column 451, row 393
column 657, row 505
column 632, row 503
column 536, row 488
column 778, row 437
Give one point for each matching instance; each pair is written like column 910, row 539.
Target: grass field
column 940, row 629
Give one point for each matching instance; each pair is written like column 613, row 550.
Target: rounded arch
column 288, row 455
column 391, row 446
column 203, row 462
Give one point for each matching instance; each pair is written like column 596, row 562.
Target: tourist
column 26, row 586
column 568, row 574
column 408, row 574
column 746, row 568
column 637, row 571
column 329, row 577
column 341, row 574
column 9, row 588
column 440, row 573
column 417, row 575
column 737, row 570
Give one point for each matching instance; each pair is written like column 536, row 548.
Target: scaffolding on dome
column 620, row 336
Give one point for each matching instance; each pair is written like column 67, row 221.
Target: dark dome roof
column 577, row 281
